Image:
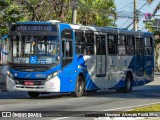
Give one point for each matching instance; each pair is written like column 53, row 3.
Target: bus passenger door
column 139, row 56
column 100, row 58
column 66, row 57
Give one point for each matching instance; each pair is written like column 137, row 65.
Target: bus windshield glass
column 34, row 49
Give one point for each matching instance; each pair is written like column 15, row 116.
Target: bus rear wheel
column 128, row 85
column 33, row 94
column 80, row 85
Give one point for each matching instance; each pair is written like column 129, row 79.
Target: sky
column 126, row 7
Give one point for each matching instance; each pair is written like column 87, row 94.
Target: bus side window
column 89, row 43
column 121, row 47
column 148, row 46
column 112, row 45
column 67, row 43
column 67, row 52
column 139, row 46
column 79, row 41
column 130, row 45
column 67, row 48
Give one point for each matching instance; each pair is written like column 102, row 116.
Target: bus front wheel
column 80, row 85
column 33, row 94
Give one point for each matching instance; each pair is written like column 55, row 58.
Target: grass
column 146, row 111
column 150, row 108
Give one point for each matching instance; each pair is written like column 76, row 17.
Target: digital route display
column 34, row 28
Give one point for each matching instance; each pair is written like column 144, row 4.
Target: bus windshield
column 34, row 49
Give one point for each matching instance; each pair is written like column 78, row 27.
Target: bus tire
column 33, row 94
column 80, row 86
column 128, row 85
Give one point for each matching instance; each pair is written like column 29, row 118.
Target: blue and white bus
column 47, row 57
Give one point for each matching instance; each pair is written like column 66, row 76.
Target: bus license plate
column 28, row 82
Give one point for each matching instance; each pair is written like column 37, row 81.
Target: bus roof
column 109, row 29
column 37, row 23
column 91, row 28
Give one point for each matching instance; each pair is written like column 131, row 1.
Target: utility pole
column 135, row 16
column 74, row 11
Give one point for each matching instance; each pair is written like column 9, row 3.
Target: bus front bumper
column 52, row 85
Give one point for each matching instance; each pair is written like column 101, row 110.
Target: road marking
column 109, row 110
column 60, row 118
column 77, row 98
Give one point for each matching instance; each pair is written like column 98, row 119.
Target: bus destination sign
column 33, row 28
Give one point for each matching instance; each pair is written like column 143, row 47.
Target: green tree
column 3, row 5
column 97, row 12
column 44, row 10
column 10, row 12
column 90, row 12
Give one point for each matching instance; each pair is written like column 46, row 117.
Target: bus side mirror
column 5, row 44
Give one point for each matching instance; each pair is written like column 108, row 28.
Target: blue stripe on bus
column 144, row 79
column 70, row 73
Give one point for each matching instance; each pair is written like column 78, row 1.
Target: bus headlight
column 52, row 75
column 49, row 77
column 9, row 74
column 55, row 73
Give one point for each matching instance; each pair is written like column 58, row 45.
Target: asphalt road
column 100, row 101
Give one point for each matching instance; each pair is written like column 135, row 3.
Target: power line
column 143, row 5
column 125, row 5
column 124, row 23
column 139, row 9
column 126, row 13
